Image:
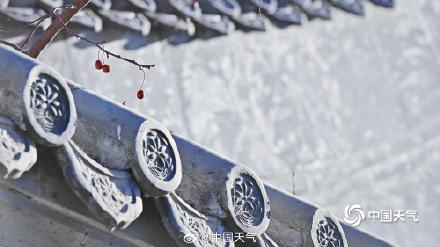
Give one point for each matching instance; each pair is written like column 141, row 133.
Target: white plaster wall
column 350, row 105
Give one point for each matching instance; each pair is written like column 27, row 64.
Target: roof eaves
column 216, row 15
column 114, row 158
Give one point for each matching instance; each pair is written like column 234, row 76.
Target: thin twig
column 259, row 7
column 26, row 24
column 100, row 46
column 143, row 80
column 10, row 44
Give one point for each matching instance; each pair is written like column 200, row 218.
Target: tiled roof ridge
column 113, row 158
column 185, row 17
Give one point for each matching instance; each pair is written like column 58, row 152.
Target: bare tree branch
column 49, row 34
column 59, row 24
column 99, row 45
column 32, row 32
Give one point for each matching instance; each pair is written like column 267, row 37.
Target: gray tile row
column 189, row 16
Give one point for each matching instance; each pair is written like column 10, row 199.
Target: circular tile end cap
column 49, row 106
column 327, row 229
column 158, row 168
column 246, row 201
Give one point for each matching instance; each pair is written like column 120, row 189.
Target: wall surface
column 40, row 209
column 348, row 106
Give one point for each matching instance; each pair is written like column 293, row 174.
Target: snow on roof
column 114, row 158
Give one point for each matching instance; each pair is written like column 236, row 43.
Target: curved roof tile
column 217, row 15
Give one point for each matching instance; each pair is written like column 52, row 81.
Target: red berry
column 105, row 68
column 98, row 64
column 140, row 94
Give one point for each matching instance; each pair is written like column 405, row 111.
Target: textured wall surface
column 350, row 106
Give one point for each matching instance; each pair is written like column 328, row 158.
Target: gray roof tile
column 216, row 15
